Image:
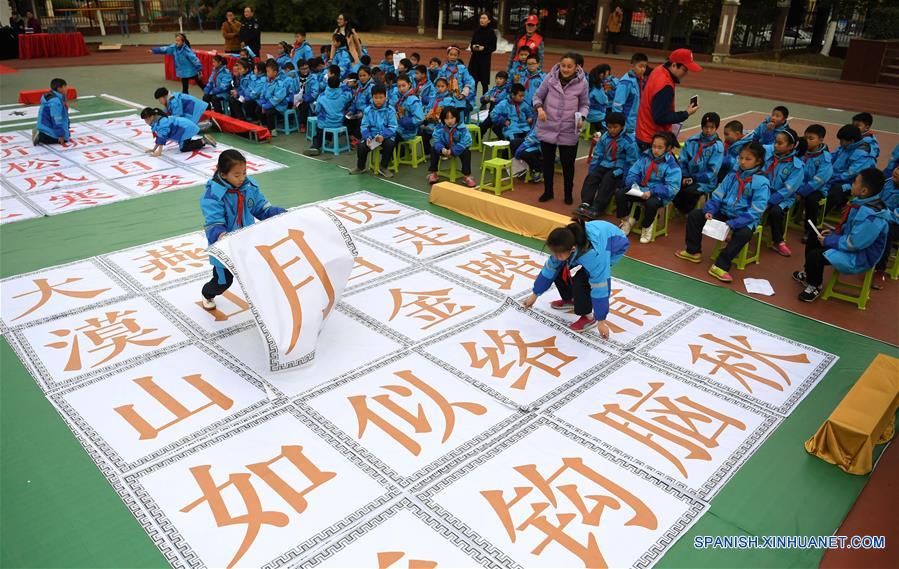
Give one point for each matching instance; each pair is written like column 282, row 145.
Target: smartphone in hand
column 694, row 101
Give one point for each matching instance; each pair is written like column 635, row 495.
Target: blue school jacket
column 362, row 96
column 894, row 161
column 220, row 211
column 700, row 159
column 517, row 114
column 518, row 70
column 274, row 94
column 890, row 198
column 177, row 129
column 862, row 238
column 342, row 59
column 291, row 82
column 378, row 121
column 598, row 101
column 785, row 173
column 53, row 115
column 531, row 83
column 332, row 106
column 303, row 51
column 498, row 93
column 219, row 83
column 869, row 138
column 742, row 197
column 187, row 106
column 425, row 91
column 610, row 83
column 187, row 64
column 282, row 59
column 764, row 136
column 529, row 144
column 619, row 153
column 413, row 115
column 311, row 88
column 848, row 161
column 662, row 175
column 457, row 138
column 458, row 71
column 818, row 170
column 245, row 87
column 627, row 99
column 732, row 152
column 257, row 87
column 436, row 105
column 386, row 66
column 607, row 245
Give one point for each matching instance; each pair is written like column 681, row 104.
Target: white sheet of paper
column 715, row 229
column 372, row 143
column 635, row 191
column 758, row 286
column 397, row 57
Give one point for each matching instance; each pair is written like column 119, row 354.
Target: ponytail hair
column 228, row 159
column 756, row 149
column 565, row 238
column 799, row 143
column 183, row 38
column 148, row 112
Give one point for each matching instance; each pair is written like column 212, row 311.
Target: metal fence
column 120, row 16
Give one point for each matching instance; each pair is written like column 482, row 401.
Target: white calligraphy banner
column 293, row 269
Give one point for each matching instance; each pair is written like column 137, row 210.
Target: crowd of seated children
column 218, row 87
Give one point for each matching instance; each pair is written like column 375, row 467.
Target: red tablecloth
column 205, row 58
column 34, row 97
column 32, row 46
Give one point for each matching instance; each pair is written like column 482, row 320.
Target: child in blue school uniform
column 858, row 241
column 409, row 112
column 274, row 96
column 894, row 161
column 765, row 132
column 658, row 175
column 361, row 101
column 53, row 116
column 252, row 109
column 890, row 198
column 173, row 129
column 513, row 117
column 187, row 64
column 284, row 56
column 614, row 154
column 379, row 127
column 864, row 121
column 518, row 67
column 739, row 201
column 232, row 200
column 242, row 80
column 342, row 57
column 459, row 82
column 818, row 171
column 627, row 93
column 292, row 80
column 529, row 151
column 786, row 172
column 218, row 88
column 386, row 64
column 183, row 105
column 423, row 87
column 301, row 48
column 329, row 108
column 734, row 141
column 451, row 139
column 597, row 98
column 533, row 78
column 434, row 110
column 244, row 53
column 700, row 159
column 853, row 156
column 494, row 96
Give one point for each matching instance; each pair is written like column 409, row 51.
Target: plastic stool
column 475, row 131
column 414, row 153
column 500, row 183
column 374, row 160
column 743, row 258
column 860, row 299
column 657, row 231
column 311, row 128
column 893, row 268
column 452, row 175
column 497, row 146
column 285, row 117
column 335, row 147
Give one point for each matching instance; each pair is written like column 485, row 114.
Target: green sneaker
column 720, row 274
column 692, row 257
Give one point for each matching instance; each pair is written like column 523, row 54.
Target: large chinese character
column 423, row 236
column 147, row 431
column 501, row 268
column 220, row 315
column 361, row 212
column 85, row 197
column 417, row 419
column 547, row 507
column 201, row 156
column 85, row 140
column 682, row 422
column 741, row 368
column 126, row 167
column 296, row 245
column 256, row 516
column 162, row 182
column 362, row 264
column 32, row 165
column 13, row 151
column 46, row 290
column 625, row 308
column 386, row 559
column 519, row 355
column 433, row 307
column 103, row 154
column 51, row 180
column 113, row 332
column 174, row 258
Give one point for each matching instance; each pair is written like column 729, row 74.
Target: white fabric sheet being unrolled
column 293, row 269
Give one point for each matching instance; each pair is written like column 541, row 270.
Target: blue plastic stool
column 285, row 117
column 335, row 147
column 311, row 128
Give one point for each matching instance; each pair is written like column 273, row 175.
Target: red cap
column 685, row 58
column 532, row 19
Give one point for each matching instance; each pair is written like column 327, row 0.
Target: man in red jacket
column 656, row 112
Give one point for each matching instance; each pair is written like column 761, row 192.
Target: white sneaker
column 209, row 140
column 208, row 304
column 627, row 224
column 646, row 234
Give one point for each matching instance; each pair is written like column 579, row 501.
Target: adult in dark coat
column 250, row 33
column 483, row 44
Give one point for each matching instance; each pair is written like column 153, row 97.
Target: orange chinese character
column 161, row 182
column 33, row 165
column 314, row 269
column 625, row 308
column 418, row 419
column 386, row 559
column 106, row 333
column 10, row 215
column 361, row 212
column 740, row 349
column 174, row 258
column 423, row 236
column 680, row 422
column 433, row 307
column 537, row 514
column 363, row 263
column 51, row 179
column 519, row 356
column 255, row 516
column 502, row 268
column 10, row 151
column 172, row 405
column 46, row 290
column 219, row 315
column 86, row 197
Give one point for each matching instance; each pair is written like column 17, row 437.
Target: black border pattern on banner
column 124, row 273
column 407, row 266
column 609, row 355
column 198, row 329
column 695, row 507
column 477, row 236
column 364, row 195
column 728, row 467
column 59, row 399
column 274, row 356
column 151, row 510
column 802, row 389
column 439, row 465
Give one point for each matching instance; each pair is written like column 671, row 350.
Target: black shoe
column 804, row 239
column 545, row 197
column 800, row 277
column 569, row 200
column 810, row 293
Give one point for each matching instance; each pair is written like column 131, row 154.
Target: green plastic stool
column 863, row 290
column 500, row 183
column 660, row 229
column 374, row 160
column 414, row 153
column 475, row 131
column 893, row 268
column 743, row 258
column 498, row 146
column 452, row 174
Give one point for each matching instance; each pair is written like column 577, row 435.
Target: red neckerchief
column 421, row 84
column 215, row 73
column 451, row 131
column 403, row 98
column 436, row 102
column 240, row 197
column 517, row 110
column 452, row 70
column 726, row 146
column 653, row 167
column 701, row 148
column 813, row 154
column 566, row 273
column 773, row 165
column 846, row 209
column 741, row 183
column 528, row 81
column 613, row 147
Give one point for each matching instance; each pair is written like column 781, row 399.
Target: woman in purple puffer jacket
column 562, row 94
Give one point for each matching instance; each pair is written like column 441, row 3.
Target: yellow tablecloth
column 863, row 419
